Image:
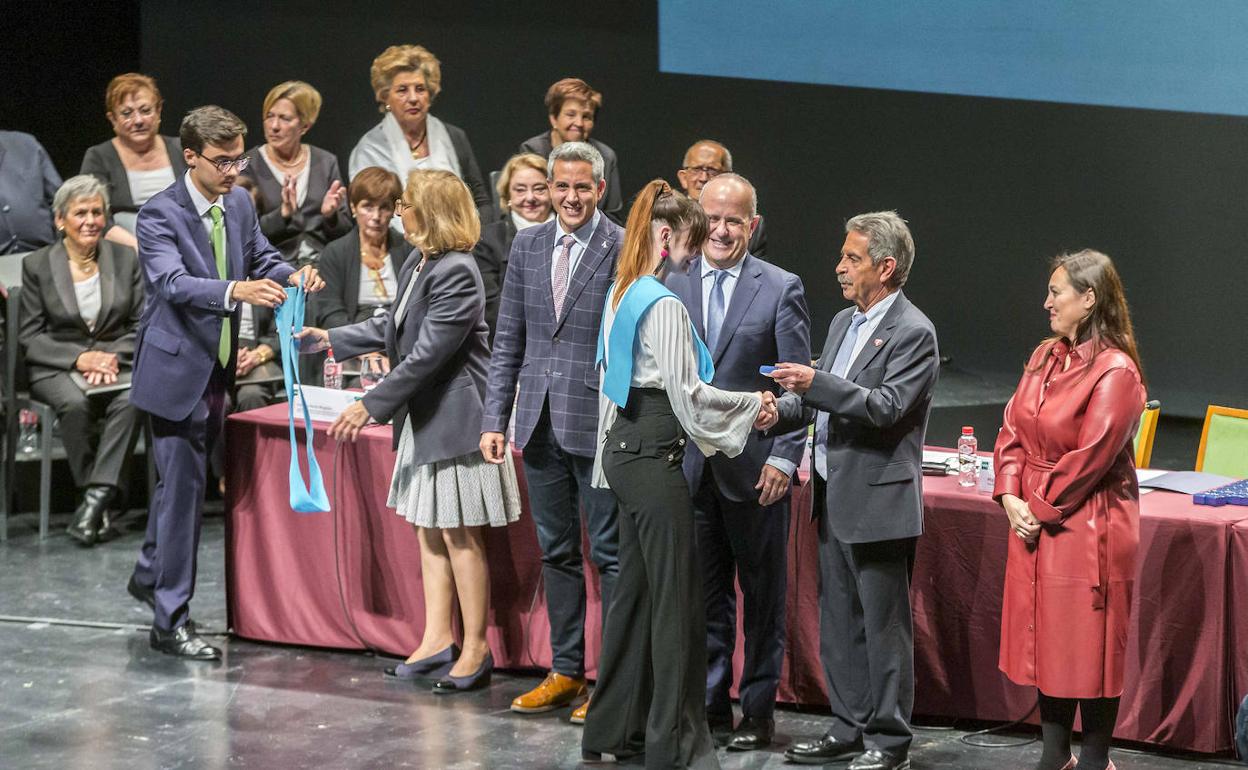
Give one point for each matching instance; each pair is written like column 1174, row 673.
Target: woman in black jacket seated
column 299, row 192
column 81, row 299
column 361, row 268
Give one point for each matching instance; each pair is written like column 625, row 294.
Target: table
column 350, row 579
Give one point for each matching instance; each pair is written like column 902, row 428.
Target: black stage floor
column 78, row 695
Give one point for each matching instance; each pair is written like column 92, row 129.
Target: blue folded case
column 310, row 497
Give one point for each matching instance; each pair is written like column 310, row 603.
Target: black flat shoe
column 721, row 728
column 874, row 759
column 141, row 593
column 435, row 666
column 183, row 642
column 822, row 750
column 474, row 681
column 89, row 516
column 752, row 734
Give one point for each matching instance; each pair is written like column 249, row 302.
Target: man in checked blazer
column 545, row 343
column 869, row 396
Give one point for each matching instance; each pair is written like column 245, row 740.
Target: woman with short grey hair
column 81, row 299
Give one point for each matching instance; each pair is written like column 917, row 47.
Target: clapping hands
column 768, row 413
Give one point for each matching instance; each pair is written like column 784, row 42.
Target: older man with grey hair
column 544, row 346
column 868, row 396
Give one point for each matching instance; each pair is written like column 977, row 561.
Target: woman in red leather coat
column 1066, row 478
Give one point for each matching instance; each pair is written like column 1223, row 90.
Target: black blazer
column 758, row 241
column 338, row 304
column 103, row 162
column 52, row 331
column 491, row 255
column 306, row 223
column 612, row 203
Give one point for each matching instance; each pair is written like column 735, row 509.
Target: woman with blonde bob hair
column 439, row 356
column 655, row 396
column 406, row 79
column 1065, row 474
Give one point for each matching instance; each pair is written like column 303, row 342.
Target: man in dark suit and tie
column 868, row 396
column 202, row 254
column 749, row 313
column 546, row 341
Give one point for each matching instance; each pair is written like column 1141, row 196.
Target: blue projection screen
column 1184, row 55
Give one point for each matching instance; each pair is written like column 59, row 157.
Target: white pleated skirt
column 463, row 491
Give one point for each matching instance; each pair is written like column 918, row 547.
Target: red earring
column 663, row 253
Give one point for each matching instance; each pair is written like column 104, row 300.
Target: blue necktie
column 840, row 365
column 715, row 311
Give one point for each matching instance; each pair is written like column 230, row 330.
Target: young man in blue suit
column 750, row 313
column 545, row 343
column 202, row 254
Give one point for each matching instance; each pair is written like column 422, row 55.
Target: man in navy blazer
column 202, row 253
column 750, row 313
column 546, row 341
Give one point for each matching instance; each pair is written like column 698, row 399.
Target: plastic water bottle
column 332, row 371
column 968, row 463
column 28, row 437
column 987, row 477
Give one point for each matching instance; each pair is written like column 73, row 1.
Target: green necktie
column 218, row 250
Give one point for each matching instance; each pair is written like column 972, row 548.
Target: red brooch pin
column 877, row 342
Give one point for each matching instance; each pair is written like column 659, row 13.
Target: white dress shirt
column 582, row 236
column 202, row 205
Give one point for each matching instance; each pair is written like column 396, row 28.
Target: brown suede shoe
column 555, row 690
column 578, row 716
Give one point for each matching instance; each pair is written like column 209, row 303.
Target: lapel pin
column 877, row 342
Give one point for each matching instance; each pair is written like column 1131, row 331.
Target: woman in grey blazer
column 137, row 162
column 81, row 299
column 435, row 336
column 300, row 196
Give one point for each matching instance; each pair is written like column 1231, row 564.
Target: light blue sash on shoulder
column 644, row 292
column 310, row 497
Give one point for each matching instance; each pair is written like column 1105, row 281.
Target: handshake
column 768, row 413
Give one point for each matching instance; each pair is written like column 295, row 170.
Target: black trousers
column 99, row 431
column 652, row 673
column 746, row 542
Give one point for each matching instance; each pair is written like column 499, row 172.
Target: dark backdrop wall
column 992, row 188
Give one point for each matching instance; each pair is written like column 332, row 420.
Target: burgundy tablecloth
column 351, row 579
column 1237, row 599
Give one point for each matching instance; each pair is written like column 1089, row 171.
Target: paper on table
column 325, row 404
column 935, row 456
column 1186, row 482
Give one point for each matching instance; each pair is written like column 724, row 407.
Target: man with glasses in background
column 704, row 161
column 202, row 254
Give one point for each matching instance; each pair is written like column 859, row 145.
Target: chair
column 1145, row 434
column 1224, row 442
column 494, row 175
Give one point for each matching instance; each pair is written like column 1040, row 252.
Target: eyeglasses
column 224, row 165
column 706, row 171
column 401, row 205
column 128, row 116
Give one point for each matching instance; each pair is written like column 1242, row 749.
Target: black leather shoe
column 142, row 593
column 753, row 733
column 822, row 750
column 89, row 517
column 720, row 726
column 874, row 759
column 184, row 642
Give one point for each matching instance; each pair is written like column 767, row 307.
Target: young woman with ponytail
column 655, row 397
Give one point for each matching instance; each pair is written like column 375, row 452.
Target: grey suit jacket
column 612, row 203
column 305, row 223
column 103, row 162
column 766, row 322
column 551, row 361
column 52, row 330
column 439, row 356
column 877, row 419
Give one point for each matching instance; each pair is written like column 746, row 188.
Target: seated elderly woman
column 81, row 299
column 572, row 106
column 138, row 161
column 361, row 268
column 406, row 80
column 299, row 191
column 524, row 197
